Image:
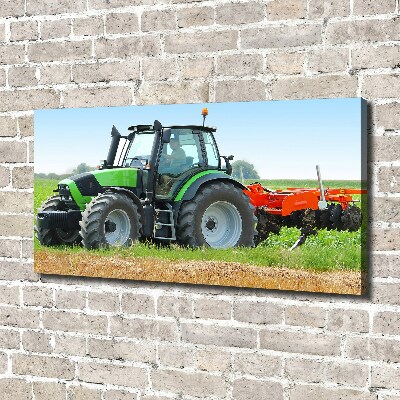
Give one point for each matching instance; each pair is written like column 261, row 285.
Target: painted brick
column 49, row 367
column 329, row 86
column 26, row 100
column 60, row 51
column 22, row 76
column 385, row 209
column 362, row 31
column 165, row 93
column 212, row 309
column 106, row 4
column 330, row 60
column 386, row 115
column 9, row 339
column 122, row 375
column 239, row 13
column 27, row 248
column 97, row 97
column 128, row 46
column 105, row 72
column 305, row 316
column 218, row 335
column 385, row 240
column 192, row 384
column 375, row 57
column 37, row 342
column 11, row 389
column 55, row 74
column 257, row 364
column 90, row 26
column 10, row 270
column 196, row 16
column 158, row 20
column 14, row 8
column 380, row 86
column 22, row 177
column 108, row 302
column 348, row 320
column 196, row 67
column 16, row 225
column 122, row 23
column 300, row 342
column 4, row 176
column 377, row 349
column 239, row 64
column 8, row 126
column 9, row 295
column 3, row 78
column 369, row 7
column 84, row 393
column 60, row 28
column 387, row 323
column 308, row 392
column 159, row 69
column 121, row 350
column 144, row 328
column 38, row 296
column 24, row 30
column 121, row 395
column 171, row 306
column 71, row 322
column 285, row 63
column 70, row 345
column 281, row 36
column 280, row 9
column 386, row 377
column 258, row 312
column 348, row 374
column 385, row 265
column 3, row 363
column 51, row 7
column 200, row 42
column 298, row 369
column 8, row 248
column 132, row 303
column 175, row 356
column 70, row 299
column 12, row 54
column 30, row 151
column 386, row 148
column 25, row 124
column 213, row 360
column 328, row 8
column 250, row 389
column 248, row 90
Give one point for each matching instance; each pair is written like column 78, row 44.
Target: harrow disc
column 336, row 217
column 267, row 223
column 325, row 217
column 352, row 218
column 309, row 222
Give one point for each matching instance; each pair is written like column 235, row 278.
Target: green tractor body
column 165, row 184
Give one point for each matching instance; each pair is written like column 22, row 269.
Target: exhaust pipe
column 112, row 152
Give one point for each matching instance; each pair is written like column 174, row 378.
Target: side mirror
column 230, row 158
column 131, row 136
column 166, row 135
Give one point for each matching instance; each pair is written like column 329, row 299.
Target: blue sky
column 283, row 139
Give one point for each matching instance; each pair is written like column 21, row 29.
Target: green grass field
column 329, row 250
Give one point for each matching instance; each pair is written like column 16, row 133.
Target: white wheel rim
column 122, row 225
column 221, row 225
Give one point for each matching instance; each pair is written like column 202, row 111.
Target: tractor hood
column 83, row 187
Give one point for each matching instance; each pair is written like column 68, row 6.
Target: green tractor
column 166, row 184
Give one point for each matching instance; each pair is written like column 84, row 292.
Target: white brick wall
column 80, row 338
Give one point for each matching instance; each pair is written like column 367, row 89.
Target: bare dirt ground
column 199, row 272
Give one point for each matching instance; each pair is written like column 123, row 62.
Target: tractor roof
column 141, row 128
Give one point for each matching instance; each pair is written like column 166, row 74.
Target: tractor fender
column 134, row 198
column 203, row 180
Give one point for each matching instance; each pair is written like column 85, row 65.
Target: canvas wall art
column 265, row 195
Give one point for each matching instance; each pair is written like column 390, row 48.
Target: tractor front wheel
column 56, row 236
column 219, row 216
column 110, row 220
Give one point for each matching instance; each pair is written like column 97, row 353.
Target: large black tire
column 56, row 236
column 219, row 216
column 110, row 220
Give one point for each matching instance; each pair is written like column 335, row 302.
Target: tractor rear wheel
column 56, row 236
column 110, row 220
column 219, row 216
